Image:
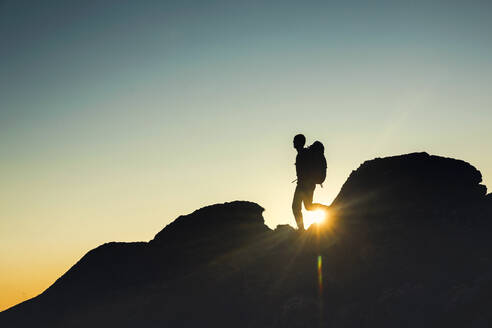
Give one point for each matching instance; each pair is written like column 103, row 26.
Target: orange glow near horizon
column 26, row 283
column 24, row 275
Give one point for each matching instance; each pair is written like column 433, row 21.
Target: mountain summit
column 407, row 244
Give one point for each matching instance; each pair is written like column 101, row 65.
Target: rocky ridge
column 408, row 244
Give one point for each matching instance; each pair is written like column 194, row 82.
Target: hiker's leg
column 297, row 207
column 308, row 201
column 308, row 197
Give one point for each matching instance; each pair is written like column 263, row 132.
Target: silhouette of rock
column 233, row 222
column 220, row 266
column 489, row 198
column 416, row 182
column 284, row 228
column 184, row 245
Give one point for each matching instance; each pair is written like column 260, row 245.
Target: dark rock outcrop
column 488, row 199
column 417, row 183
column 114, row 269
column 233, row 222
column 220, row 266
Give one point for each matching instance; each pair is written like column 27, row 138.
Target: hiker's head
column 299, row 141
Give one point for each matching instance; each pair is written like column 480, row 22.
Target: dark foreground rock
column 418, row 183
column 367, row 266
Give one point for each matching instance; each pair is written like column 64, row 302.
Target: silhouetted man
column 310, row 170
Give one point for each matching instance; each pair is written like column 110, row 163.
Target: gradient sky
column 118, row 116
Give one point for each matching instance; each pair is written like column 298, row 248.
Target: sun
column 311, row 217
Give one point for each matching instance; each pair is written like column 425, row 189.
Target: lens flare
column 311, row 217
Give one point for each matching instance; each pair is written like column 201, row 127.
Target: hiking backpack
column 317, row 162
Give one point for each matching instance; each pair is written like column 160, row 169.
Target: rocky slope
column 416, row 182
column 407, row 244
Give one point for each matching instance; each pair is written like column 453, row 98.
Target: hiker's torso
column 302, row 166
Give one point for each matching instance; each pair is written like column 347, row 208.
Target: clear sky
column 118, row 116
